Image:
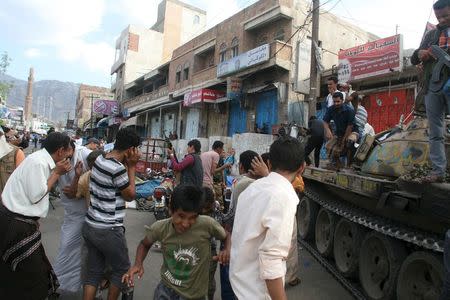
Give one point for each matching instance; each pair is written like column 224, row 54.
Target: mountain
column 51, row 98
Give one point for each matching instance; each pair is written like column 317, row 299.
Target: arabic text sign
column 205, row 95
column 245, row 60
column 371, row 59
column 105, row 107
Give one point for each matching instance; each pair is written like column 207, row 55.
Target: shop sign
column 202, row 95
column 375, row 58
column 105, row 107
column 245, row 60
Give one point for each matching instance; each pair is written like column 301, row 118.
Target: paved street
column 316, row 282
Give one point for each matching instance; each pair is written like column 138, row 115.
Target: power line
column 302, row 26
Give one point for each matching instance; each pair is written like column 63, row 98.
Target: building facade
column 140, row 50
column 246, row 74
column 86, row 96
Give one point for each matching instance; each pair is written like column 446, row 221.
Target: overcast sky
column 74, row 41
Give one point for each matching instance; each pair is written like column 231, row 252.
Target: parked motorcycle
column 161, row 197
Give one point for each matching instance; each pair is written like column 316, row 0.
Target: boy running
column 186, row 247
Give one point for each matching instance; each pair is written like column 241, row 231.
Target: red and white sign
column 105, row 107
column 202, row 95
column 375, row 58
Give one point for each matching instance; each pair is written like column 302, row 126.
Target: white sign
column 245, row 60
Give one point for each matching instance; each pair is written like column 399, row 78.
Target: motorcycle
column 161, row 197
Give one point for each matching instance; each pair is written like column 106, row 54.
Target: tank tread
column 348, row 285
column 379, row 224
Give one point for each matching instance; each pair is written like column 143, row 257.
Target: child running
column 186, row 246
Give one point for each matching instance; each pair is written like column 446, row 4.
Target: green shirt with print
column 186, row 256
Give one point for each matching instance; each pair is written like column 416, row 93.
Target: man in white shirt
column 24, row 267
column 263, row 226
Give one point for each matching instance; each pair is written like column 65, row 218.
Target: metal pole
column 146, row 125
column 313, row 81
column 92, row 115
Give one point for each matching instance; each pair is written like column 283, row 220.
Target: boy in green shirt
column 186, row 248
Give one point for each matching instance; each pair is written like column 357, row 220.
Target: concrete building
column 246, row 74
column 140, row 50
column 83, row 107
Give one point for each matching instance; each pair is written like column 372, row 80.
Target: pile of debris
column 418, row 171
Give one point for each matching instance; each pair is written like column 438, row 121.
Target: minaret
column 29, row 98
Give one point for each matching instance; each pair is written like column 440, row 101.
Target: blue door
column 267, row 110
column 237, row 122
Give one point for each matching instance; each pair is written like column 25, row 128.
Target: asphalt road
column 316, row 282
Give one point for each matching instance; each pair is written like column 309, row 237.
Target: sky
column 70, row 40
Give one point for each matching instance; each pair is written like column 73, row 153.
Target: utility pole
column 313, row 80
column 92, row 113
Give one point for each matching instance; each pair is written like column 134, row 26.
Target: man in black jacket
column 435, row 98
column 315, row 141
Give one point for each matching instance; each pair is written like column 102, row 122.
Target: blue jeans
column 446, row 286
column 225, row 285
column 436, row 106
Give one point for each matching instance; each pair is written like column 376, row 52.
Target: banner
column 106, row 107
column 202, row 95
column 375, row 58
column 234, row 88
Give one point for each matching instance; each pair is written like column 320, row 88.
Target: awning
column 130, row 122
column 257, row 89
column 103, row 122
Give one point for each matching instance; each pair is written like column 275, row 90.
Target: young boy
column 264, row 225
column 186, row 247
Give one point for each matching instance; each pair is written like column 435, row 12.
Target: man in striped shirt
column 111, row 184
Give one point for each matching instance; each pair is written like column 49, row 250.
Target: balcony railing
column 204, row 75
column 281, row 50
column 148, row 97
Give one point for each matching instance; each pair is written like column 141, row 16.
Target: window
column 262, row 39
column 222, row 52
column 186, row 71
column 178, row 75
column 196, row 19
column 235, row 47
column 279, row 35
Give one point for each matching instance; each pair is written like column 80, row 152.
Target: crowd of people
column 257, row 231
column 94, row 188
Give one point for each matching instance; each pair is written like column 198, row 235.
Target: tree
column 5, row 87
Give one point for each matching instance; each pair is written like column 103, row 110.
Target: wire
column 302, row 26
column 325, row 12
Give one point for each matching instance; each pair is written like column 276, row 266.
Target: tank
column 379, row 228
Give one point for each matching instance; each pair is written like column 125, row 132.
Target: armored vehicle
column 378, row 224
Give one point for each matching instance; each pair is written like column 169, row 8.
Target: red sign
column 371, row 59
column 202, row 95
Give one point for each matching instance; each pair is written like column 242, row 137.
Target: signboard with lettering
column 202, row 95
column 375, row 58
column 245, row 60
column 105, row 107
column 161, row 92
